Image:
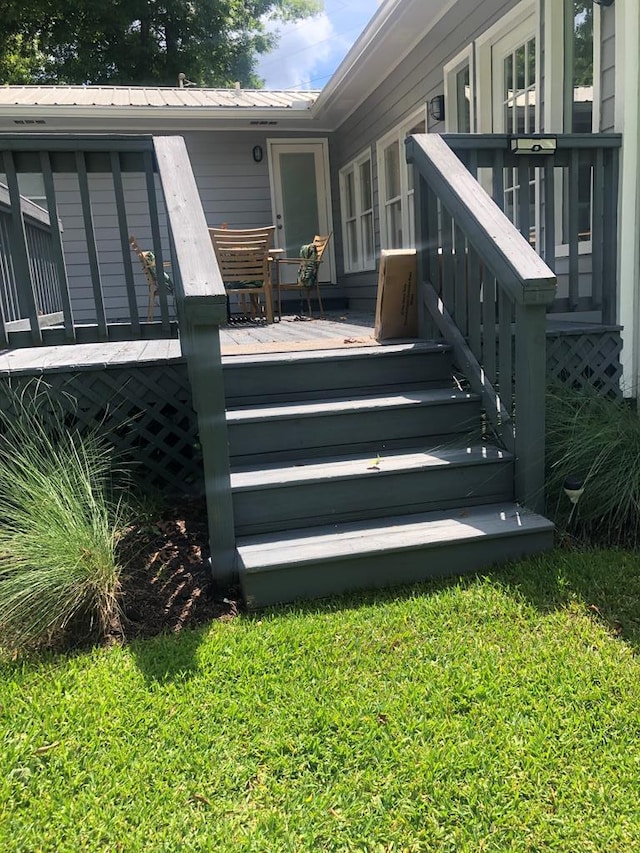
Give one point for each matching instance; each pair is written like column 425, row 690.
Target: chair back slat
column 243, row 258
column 321, row 244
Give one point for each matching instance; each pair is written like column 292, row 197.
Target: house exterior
column 421, row 66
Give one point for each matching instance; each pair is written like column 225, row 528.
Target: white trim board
column 450, row 71
column 627, row 122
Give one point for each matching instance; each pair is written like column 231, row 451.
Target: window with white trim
column 395, row 185
column 459, row 93
column 356, row 203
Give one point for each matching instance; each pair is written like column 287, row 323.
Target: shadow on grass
column 169, row 657
column 605, row 581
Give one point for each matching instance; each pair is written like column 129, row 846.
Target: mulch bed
column 166, row 582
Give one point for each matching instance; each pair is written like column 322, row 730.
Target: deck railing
column 563, row 202
column 102, row 189
column 45, row 293
column 105, row 189
column 486, row 291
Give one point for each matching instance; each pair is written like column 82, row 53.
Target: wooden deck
column 291, row 334
column 570, row 346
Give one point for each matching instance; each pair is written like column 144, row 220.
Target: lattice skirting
column 145, row 411
column 586, row 359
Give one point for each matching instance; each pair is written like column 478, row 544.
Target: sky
column 309, row 51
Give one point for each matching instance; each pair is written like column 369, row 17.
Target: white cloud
column 302, row 47
column 309, row 51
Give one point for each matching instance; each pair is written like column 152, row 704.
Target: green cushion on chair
column 150, row 260
column 308, row 269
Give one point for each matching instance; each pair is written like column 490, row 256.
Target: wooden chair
column 244, row 259
column 148, row 261
column 307, row 275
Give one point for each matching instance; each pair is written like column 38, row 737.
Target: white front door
column 301, row 198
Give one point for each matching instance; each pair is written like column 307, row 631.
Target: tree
column 583, row 43
column 213, row 42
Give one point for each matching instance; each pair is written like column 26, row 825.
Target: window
column 395, row 180
column 458, row 93
column 579, row 107
column 356, row 201
column 579, row 58
column 31, row 186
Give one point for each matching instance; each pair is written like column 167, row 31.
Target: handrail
column 506, row 253
column 202, row 308
column 481, row 285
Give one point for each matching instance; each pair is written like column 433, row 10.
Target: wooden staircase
column 364, row 467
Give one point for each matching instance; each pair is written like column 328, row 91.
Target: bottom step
column 322, row 561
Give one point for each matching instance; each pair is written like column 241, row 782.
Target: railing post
column 423, row 239
column 530, row 388
column 201, row 345
column 202, row 308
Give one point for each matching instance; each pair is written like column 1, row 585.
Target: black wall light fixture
column 257, row 153
column 436, row 108
column 604, row 2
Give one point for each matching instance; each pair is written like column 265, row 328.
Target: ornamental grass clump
column 597, row 440
column 59, row 527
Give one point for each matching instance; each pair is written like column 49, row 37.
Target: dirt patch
column 166, row 582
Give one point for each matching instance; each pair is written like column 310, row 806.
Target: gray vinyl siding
column 410, row 86
column 233, row 187
column 108, row 244
column 608, row 70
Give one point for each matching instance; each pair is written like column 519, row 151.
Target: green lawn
column 493, row 714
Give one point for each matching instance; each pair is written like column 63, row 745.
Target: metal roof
column 148, row 96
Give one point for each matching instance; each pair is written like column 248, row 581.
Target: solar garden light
column 573, row 488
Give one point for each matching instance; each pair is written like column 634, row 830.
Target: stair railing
column 573, row 223
column 486, row 291
column 201, row 303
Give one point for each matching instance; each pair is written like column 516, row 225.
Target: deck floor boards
column 344, row 328
column 291, row 334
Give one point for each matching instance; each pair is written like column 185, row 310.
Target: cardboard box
column 396, row 305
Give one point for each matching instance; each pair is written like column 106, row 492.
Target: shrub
column 597, row 439
column 59, row 526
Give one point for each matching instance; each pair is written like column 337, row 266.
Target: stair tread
column 313, row 356
column 316, row 470
column 353, row 539
column 311, row 408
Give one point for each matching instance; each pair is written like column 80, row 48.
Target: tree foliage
column 583, row 43
column 213, row 42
